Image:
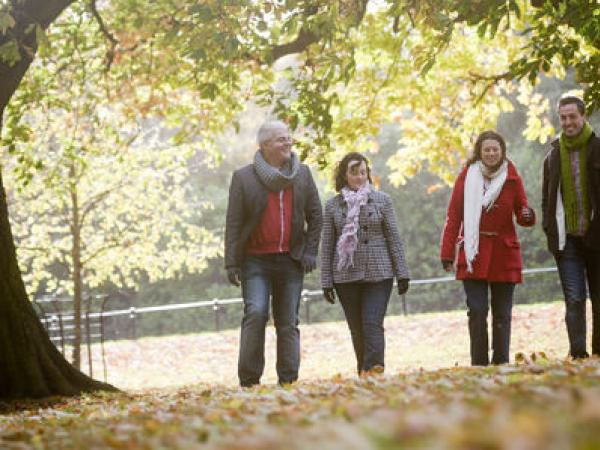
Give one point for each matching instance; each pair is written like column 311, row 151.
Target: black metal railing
column 57, row 320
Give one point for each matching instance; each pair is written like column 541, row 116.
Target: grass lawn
column 428, row 341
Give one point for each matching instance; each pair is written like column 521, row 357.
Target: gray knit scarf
column 275, row 180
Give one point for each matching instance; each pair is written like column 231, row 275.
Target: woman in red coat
column 479, row 242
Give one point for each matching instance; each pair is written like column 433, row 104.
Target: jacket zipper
column 282, row 224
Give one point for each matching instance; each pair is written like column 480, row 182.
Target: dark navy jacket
column 550, row 190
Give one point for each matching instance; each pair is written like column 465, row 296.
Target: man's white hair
column 266, row 130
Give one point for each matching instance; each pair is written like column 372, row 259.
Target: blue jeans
column 477, row 304
column 576, row 263
column 263, row 276
column 364, row 307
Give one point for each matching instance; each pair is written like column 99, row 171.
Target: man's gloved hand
column 447, row 264
column 329, row 294
column 402, row 286
column 309, row 263
column 234, row 274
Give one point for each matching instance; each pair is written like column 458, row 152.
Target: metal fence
column 108, row 323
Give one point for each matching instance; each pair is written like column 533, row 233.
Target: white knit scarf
column 348, row 240
column 475, row 200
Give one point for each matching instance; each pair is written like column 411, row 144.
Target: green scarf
column 568, row 145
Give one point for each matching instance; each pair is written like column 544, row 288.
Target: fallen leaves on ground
column 540, row 402
column 546, row 404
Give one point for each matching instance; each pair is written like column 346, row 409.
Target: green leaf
column 209, row 90
column 6, row 21
column 42, row 40
column 428, row 65
column 9, row 52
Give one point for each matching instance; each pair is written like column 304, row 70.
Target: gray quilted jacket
column 380, row 253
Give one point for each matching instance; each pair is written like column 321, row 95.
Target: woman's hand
column 526, row 214
column 329, row 294
column 448, row 265
column 402, row 286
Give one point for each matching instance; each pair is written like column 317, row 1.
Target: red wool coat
column 499, row 255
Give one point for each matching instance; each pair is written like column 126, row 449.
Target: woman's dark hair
column 342, row 168
column 479, row 142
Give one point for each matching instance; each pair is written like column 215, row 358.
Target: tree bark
column 30, row 365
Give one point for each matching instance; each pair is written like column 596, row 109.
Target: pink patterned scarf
column 348, row 241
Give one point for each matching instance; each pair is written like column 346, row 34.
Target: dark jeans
column 477, row 304
column 263, row 276
column 575, row 263
column 364, row 306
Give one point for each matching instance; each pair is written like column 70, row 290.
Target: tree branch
column 113, row 42
column 98, row 252
column 490, row 81
column 307, row 37
column 93, row 201
column 42, row 12
column 302, row 41
column 114, row 242
column 44, row 250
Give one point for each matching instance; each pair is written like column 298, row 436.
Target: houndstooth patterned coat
column 380, row 252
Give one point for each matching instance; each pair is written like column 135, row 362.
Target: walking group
column 275, row 222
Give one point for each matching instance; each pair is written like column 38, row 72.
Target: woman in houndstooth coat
column 361, row 254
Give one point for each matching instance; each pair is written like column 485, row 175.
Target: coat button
column 366, row 241
column 365, row 228
column 344, row 215
column 370, row 213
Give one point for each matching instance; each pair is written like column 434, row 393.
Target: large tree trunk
column 30, row 365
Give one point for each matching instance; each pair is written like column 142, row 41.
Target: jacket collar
column 512, row 171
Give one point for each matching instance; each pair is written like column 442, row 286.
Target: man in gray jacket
column 272, row 236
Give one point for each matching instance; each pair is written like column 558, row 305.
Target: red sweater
column 272, row 235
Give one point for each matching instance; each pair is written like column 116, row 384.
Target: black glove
column 234, row 274
column 329, row 294
column 402, row 286
column 447, row 264
column 309, row 263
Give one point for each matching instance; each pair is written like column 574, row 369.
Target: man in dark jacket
column 571, row 209
column 271, row 240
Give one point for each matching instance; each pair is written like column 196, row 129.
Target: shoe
column 249, row 384
column 372, row 372
column 579, row 356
